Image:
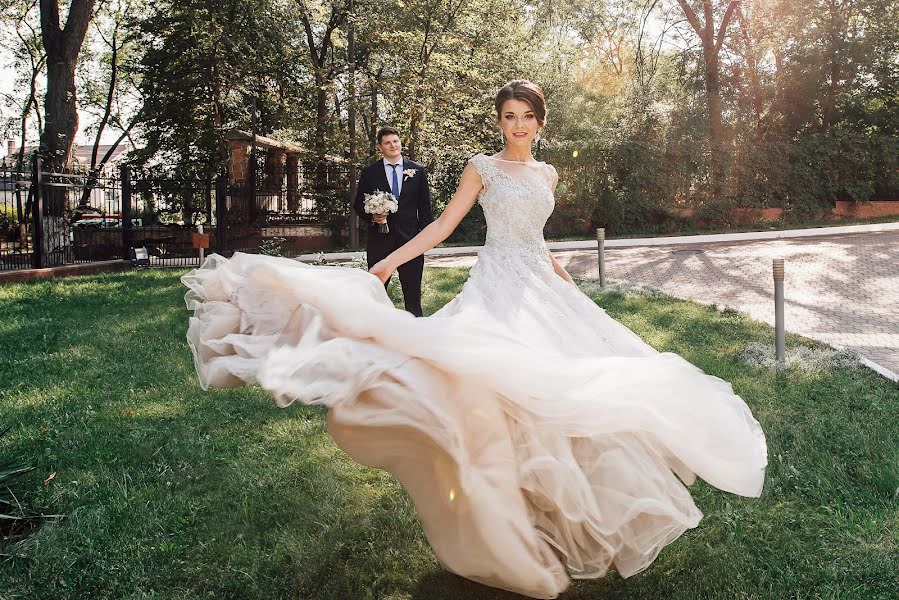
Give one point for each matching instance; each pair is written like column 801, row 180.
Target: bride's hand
column 382, row 270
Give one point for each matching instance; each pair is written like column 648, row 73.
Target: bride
column 538, row 437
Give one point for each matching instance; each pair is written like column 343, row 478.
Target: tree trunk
column 62, row 45
column 827, row 114
column 56, row 245
column 711, row 48
column 61, row 113
column 318, row 55
column 59, row 132
column 373, row 136
column 755, row 92
column 321, row 123
column 110, row 95
column 713, row 94
column 414, row 118
column 218, row 111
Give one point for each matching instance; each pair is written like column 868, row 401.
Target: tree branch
column 722, row 29
column 80, row 13
column 692, row 18
column 50, row 29
column 310, row 37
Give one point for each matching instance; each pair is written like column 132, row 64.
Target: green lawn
column 171, row 492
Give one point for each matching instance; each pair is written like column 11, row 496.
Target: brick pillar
column 238, row 162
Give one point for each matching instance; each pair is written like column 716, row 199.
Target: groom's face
column 391, row 147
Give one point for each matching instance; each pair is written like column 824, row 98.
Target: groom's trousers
column 382, row 244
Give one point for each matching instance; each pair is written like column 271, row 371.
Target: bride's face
column 518, row 122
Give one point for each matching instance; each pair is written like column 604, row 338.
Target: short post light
column 779, row 330
column 600, row 247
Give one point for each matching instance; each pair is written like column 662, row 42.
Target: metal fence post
column 601, row 247
column 38, row 255
column 221, row 218
column 127, row 233
column 779, row 335
column 202, row 251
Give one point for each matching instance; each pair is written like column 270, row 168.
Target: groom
column 408, row 182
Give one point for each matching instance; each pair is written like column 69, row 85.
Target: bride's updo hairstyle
column 526, row 91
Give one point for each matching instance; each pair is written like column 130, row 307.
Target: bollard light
column 600, row 247
column 779, row 329
column 140, row 257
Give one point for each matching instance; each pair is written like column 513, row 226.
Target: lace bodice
column 517, row 200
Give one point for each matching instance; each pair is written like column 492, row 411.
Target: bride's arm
column 469, row 186
column 560, row 270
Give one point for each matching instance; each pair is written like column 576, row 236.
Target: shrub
column 272, row 246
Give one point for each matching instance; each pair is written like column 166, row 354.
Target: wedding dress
column 537, row 436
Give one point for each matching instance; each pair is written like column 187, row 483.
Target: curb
column 90, row 268
column 880, row 369
column 638, row 242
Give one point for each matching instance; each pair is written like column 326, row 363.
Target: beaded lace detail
column 517, row 199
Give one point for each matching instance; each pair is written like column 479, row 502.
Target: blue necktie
column 396, row 182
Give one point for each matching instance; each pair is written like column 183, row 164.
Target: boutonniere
column 409, row 174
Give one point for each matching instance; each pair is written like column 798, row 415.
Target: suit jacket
column 414, row 204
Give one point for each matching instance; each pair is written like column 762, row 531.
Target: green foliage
column 9, row 219
column 809, row 94
column 332, row 209
column 272, row 246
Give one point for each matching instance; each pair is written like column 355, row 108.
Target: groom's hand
column 382, row 270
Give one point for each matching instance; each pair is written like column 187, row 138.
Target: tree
column 203, row 63
column 104, row 79
column 324, row 61
column 712, row 41
column 63, row 45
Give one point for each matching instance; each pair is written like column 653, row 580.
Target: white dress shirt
column 388, row 170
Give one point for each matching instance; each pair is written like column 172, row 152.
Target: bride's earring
column 538, row 138
column 502, row 138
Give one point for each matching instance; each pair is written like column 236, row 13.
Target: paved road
column 842, row 290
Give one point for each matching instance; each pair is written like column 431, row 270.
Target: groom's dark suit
column 413, row 214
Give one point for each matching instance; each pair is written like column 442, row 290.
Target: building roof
column 264, row 142
column 81, row 154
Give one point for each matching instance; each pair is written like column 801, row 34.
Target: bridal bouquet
column 380, row 203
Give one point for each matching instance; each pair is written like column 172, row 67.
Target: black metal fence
column 290, row 201
column 50, row 218
column 164, row 211
column 16, row 234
